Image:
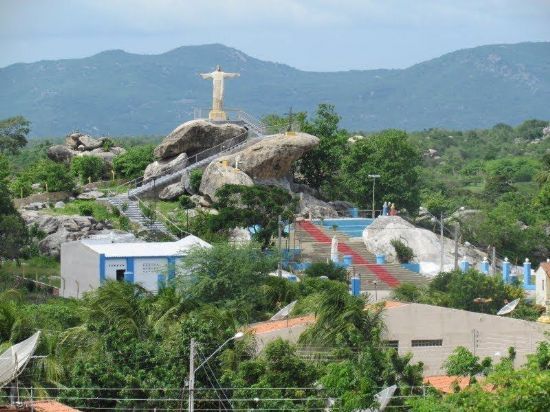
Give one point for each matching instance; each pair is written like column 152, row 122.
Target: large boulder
column 107, row 157
column 172, row 192
column 272, row 157
column 195, row 136
column 61, row 153
column 165, row 166
column 425, row 244
column 311, row 207
column 218, row 174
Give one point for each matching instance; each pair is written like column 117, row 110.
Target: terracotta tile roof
column 546, row 267
column 52, row 406
column 272, row 325
column 40, row 406
column 447, row 384
column 390, row 304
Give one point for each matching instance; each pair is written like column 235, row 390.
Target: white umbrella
column 334, row 250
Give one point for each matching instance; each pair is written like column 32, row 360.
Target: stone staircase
column 134, row 213
column 132, row 197
column 315, row 243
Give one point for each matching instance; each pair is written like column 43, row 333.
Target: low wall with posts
column 50, row 197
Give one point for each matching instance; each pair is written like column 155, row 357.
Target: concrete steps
column 134, row 213
column 316, row 251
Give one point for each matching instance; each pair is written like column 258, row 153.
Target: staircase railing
column 194, row 161
column 164, row 220
column 252, row 122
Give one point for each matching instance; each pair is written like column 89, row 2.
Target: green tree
column 320, row 166
column 13, row 134
column 255, row 207
column 390, row 155
column 13, row 231
column 211, row 276
column 462, row 362
column 88, row 168
column 531, row 129
column 132, row 163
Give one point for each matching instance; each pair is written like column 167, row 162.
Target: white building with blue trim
column 87, row 263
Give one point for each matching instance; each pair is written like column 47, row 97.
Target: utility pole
column 494, row 261
column 442, row 239
column 373, row 177
column 191, row 406
column 280, row 265
column 457, row 228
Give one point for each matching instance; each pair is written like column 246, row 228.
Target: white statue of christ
column 217, row 77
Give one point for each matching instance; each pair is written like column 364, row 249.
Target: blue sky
column 321, row 35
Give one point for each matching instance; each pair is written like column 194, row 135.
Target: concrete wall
column 51, row 197
column 146, row 271
column 486, row 335
column 79, row 269
column 542, row 293
column 112, row 265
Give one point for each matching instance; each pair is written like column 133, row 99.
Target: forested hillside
column 119, row 93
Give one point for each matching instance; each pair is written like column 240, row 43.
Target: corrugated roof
column 150, row 249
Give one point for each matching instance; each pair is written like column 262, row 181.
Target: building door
column 120, row 274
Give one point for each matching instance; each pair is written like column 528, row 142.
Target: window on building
column 392, row 344
column 120, row 274
column 426, row 342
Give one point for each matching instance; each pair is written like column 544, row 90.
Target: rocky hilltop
column 80, row 144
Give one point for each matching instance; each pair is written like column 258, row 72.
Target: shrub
column 86, row 209
column 195, row 179
column 132, row 163
column 107, row 145
column 404, row 253
column 53, row 176
column 186, row 202
column 330, row 270
column 124, row 222
column 88, row 168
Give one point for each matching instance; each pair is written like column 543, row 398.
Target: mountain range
column 118, row 93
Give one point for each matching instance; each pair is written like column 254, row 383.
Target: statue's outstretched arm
column 206, row 75
column 231, row 75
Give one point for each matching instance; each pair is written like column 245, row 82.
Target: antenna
column 383, row 398
column 14, row 360
column 284, row 312
column 509, row 307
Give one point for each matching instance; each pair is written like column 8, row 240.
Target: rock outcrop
column 425, row 244
column 218, row 174
column 309, row 206
column 61, row 229
column 164, row 166
column 79, row 144
column 61, row 153
column 195, row 136
column 272, row 157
